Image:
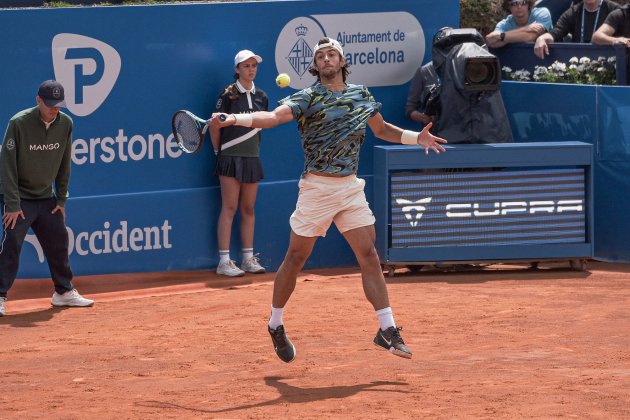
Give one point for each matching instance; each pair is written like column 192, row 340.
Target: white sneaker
column 70, row 298
column 252, row 265
column 2, row 300
column 229, row 269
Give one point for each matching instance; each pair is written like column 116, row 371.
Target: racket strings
column 187, row 130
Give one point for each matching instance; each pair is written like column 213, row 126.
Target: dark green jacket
column 35, row 162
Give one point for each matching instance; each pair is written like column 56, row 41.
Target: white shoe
column 252, row 265
column 2, row 300
column 70, row 298
column 229, row 269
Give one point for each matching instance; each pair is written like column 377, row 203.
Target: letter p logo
column 87, row 68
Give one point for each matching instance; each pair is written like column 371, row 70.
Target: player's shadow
column 31, row 319
column 486, row 275
column 294, row 394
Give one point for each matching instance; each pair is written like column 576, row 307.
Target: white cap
column 332, row 43
column 245, row 55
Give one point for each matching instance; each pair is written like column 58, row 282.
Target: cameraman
column 419, row 93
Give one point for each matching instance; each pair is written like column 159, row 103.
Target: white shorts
column 323, row 200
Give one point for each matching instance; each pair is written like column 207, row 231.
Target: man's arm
column 8, row 173
column 527, row 33
column 604, row 36
column 62, row 180
column 414, row 94
column 258, row 119
column 393, row 134
column 556, row 34
column 541, row 46
column 8, row 169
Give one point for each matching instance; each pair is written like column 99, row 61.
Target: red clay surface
column 502, row 342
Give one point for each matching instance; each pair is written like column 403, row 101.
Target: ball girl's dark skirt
column 245, row 169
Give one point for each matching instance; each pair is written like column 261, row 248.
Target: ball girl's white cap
column 245, row 55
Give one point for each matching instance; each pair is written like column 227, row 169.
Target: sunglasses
column 518, row 2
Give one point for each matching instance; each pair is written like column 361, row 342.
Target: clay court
column 500, row 342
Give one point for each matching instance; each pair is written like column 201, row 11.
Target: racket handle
column 222, row 117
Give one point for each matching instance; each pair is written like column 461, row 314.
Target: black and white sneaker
column 281, row 343
column 391, row 341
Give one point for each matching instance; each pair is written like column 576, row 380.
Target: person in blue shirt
column 524, row 24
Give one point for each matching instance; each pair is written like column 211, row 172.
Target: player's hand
column 429, row 141
column 10, row 218
column 541, row 48
column 219, row 119
column 60, row 209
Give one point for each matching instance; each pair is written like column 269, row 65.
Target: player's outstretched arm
column 393, row 134
column 258, row 119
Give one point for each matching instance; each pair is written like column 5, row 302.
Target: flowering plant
column 583, row 71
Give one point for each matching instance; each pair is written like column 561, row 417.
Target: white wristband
column 244, row 120
column 409, row 137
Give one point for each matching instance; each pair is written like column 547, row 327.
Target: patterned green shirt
column 332, row 126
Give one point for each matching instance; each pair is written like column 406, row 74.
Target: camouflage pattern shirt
column 332, row 126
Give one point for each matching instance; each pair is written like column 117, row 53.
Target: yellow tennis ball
column 283, row 80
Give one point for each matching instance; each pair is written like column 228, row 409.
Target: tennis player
column 332, row 116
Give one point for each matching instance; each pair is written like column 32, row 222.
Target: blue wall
column 599, row 115
column 137, row 203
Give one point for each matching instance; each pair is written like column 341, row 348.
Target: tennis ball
column 283, row 80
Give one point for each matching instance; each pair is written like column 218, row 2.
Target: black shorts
column 246, row 170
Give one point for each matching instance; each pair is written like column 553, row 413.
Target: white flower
column 612, row 59
column 585, row 60
column 559, row 67
column 573, row 67
column 507, row 69
column 573, row 60
column 522, row 75
column 540, row 70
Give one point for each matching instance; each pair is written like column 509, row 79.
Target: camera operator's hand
column 420, row 117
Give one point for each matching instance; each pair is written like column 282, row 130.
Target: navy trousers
column 50, row 230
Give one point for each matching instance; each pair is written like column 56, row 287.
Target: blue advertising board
column 137, row 203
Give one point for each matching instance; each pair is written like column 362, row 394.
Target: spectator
column 615, row 30
column 524, row 24
column 419, row 91
column 578, row 23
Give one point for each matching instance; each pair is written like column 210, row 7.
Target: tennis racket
column 190, row 130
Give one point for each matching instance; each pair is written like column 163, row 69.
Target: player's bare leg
column 362, row 240
column 300, row 248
